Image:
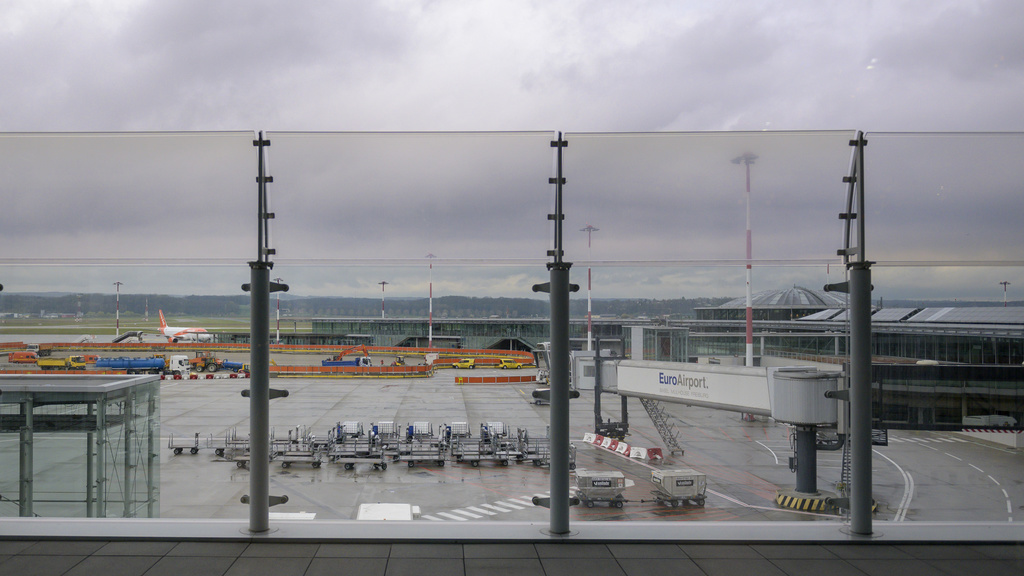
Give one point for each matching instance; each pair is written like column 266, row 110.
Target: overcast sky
column 355, row 209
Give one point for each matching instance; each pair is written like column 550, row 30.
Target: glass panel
column 353, row 210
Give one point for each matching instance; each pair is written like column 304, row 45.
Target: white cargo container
column 676, row 487
column 600, row 486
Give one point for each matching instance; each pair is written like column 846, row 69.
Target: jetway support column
column 806, row 460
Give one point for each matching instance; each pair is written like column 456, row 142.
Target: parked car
column 506, row 363
column 465, row 363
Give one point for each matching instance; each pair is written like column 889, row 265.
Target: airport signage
column 725, row 387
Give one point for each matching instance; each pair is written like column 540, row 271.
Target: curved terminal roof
column 795, row 297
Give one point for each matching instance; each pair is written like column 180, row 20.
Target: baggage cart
column 301, row 447
column 678, row 487
column 538, row 450
column 178, row 448
column 600, row 486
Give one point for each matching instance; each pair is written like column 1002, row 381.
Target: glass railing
column 141, row 219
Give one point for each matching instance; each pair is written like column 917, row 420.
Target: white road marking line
column 510, row 505
column 908, row 490
column 434, row 518
column 465, row 513
column 452, row 516
column 975, row 467
column 480, row 510
column 953, row 457
column 997, row 483
column 523, row 501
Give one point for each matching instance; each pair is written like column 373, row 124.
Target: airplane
column 177, row 334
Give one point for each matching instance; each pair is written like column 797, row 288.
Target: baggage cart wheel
column 440, row 463
column 618, row 503
column 219, row 452
column 194, row 450
column 316, row 464
column 475, row 463
column 572, row 466
column 349, row 465
column 411, row 464
column 376, row 466
column 177, row 451
column 240, row 464
column 383, row 465
column 504, row 462
column 590, row 503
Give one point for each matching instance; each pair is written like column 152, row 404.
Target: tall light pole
column 430, row 305
column 278, row 337
column 382, row 283
column 1005, row 284
column 117, row 309
column 747, row 159
column 590, row 229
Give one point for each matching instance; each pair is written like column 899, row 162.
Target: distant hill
column 98, row 305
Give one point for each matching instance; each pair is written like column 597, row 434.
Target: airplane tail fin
column 163, row 323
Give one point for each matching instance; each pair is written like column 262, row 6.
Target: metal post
column 128, row 483
column 101, row 457
column 26, row 467
column 90, row 467
column 558, row 290
column 860, row 397
column 259, row 399
column 598, row 384
column 559, row 521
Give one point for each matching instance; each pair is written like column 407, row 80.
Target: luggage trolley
column 301, row 447
column 538, row 450
column 350, row 445
column 193, row 447
column 421, row 445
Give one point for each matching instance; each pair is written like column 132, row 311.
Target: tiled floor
column 159, row 558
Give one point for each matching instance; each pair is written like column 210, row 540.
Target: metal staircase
column 666, row 428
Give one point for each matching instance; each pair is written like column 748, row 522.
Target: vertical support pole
column 90, row 467
column 559, row 520
column 152, row 454
column 598, row 387
column 259, row 360
column 101, row 457
column 860, row 397
column 259, row 399
column 559, row 289
column 128, row 484
column 26, row 465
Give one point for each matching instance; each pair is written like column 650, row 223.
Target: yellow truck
column 69, row 363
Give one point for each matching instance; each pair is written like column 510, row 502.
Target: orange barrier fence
column 493, row 379
column 353, row 371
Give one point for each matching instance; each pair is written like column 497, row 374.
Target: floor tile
column 191, row 566
column 796, row 551
column 581, row 566
column 977, row 567
column 354, row 551
column 425, row 567
column 113, row 566
column 729, row 551
column 135, row 548
column 744, row 566
column 867, row 551
column 346, row 565
column 64, row 547
column 937, row 551
column 888, row 567
column 659, row 567
column 38, row 565
column 1001, row 551
column 231, row 549
column 570, row 550
column 817, row 567
column 426, row 551
column 280, row 550
column 504, row 567
column 499, row 551
column 646, row 551
column 14, row 546
column 259, row 566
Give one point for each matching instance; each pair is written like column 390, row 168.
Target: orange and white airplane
column 178, row 334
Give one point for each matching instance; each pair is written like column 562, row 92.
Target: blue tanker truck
column 177, row 364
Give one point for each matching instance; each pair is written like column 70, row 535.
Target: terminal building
column 794, row 323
